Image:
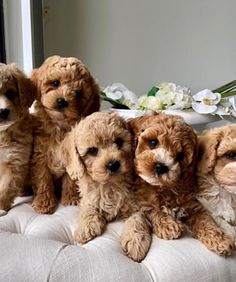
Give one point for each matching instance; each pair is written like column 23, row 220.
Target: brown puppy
column 66, row 92
column 165, row 159
column 217, row 176
column 97, row 153
column 16, row 95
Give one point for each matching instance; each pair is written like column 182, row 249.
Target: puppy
column 97, row 154
column 217, row 176
column 66, row 92
column 165, row 161
column 16, row 96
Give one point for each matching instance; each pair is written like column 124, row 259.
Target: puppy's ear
column 93, row 104
column 207, row 150
column 35, row 81
column 26, row 89
column 69, row 156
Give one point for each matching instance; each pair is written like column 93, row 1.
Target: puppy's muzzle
column 161, row 168
column 113, row 166
column 4, row 113
column 61, row 104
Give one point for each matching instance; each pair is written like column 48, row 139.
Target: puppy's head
column 217, row 155
column 16, row 95
column 66, row 89
column 165, row 150
column 99, row 146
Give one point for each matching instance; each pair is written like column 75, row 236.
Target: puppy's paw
column 89, row 229
column 219, row 243
column 136, row 245
column 44, row 205
column 73, row 201
column 168, row 228
column 3, row 212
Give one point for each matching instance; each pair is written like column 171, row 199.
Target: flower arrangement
column 169, row 96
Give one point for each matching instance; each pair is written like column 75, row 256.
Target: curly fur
column 165, row 160
column 217, row 176
column 67, row 79
column 87, row 151
column 16, row 95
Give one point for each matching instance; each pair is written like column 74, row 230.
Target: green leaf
column 225, row 87
column 153, row 91
column 228, row 94
column 116, row 104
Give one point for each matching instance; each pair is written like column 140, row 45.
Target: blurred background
column 135, row 42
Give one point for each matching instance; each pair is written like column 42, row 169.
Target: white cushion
column 37, row 247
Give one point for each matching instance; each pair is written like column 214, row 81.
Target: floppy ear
column 70, row 158
column 35, row 81
column 26, row 89
column 207, row 149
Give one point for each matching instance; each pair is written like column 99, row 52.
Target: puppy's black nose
column 61, row 103
column 4, row 113
column 113, row 166
column 161, row 168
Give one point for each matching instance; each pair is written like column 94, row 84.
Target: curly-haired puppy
column 97, row 153
column 66, row 92
column 16, row 95
column 217, row 176
column 165, row 158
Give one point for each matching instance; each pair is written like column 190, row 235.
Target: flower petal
column 203, row 109
column 206, row 94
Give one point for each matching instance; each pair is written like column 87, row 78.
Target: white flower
column 118, row 92
column 174, row 96
column 150, row 103
column 205, row 101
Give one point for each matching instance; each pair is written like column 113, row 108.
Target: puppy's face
column 16, row 95
column 217, row 150
column 103, row 145
column 165, row 149
column 66, row 89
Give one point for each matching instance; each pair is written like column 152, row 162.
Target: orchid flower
column 205, row 102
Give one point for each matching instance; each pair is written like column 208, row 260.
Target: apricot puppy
column 97, row 154
column 66, row 93
column 165, row 161
column 16, row 95
column 217, row 176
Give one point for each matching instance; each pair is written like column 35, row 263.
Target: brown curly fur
column 105, row 195
column 66, row 78
column 217, row 176
column 16, row 95
column 167, row 198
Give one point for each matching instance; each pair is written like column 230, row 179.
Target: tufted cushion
column 37, row 247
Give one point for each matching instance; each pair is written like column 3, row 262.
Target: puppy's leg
column 164, row 225
column 45, row 200
column 204, row 229
column 70, row 194
column 136, row 237
column 11, row 181
column 90, row 224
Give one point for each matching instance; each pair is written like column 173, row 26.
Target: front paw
column 89, row 229
column 44, row 205
column 168, row 228
column 72, row 201
column 136, row 245
column 219, row 243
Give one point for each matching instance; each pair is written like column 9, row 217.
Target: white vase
column 198, row 121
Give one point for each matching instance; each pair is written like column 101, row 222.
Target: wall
column 141, row 43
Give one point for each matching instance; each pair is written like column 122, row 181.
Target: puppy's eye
column 11, row 95
column 231, row 155
column 77, row 92
column 119, row 142
column 179, row 157
column 153, row 143
column 92, row 151
column 55, row 83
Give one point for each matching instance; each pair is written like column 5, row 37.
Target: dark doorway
column 2, row 37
